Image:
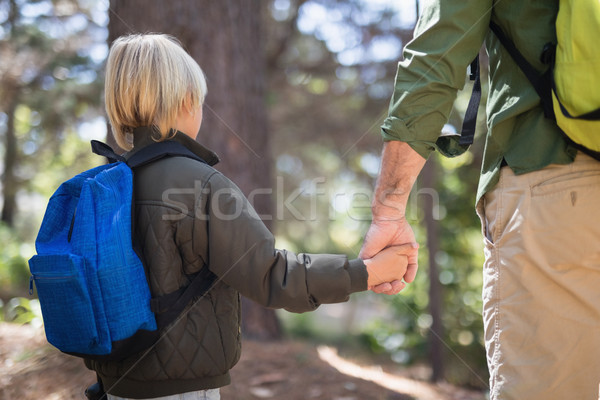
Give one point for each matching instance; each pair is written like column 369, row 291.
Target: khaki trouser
column 541, row 289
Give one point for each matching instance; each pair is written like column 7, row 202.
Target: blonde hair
column 149, row 78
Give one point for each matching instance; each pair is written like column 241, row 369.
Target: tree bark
column 224, row 38
column 9, row 181
column 11, row 92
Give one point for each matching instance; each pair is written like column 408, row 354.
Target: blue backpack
column 92, row 286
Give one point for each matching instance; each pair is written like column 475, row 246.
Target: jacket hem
column 134, row 389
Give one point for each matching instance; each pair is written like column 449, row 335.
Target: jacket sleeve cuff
column 358, row 275
column 395, row 129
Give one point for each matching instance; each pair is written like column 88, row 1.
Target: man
column 537, row 197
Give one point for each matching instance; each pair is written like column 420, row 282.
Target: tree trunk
column 11, row 92
column 436, row 332
column 224, row 38
column 9, row 182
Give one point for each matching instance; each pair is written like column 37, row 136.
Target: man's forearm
column 400, row 166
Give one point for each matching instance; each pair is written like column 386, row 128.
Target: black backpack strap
column 467, row 134
column 96, row 390
column 158, row 150
column 590, row 116
column 146, row 155
column 168, row 307
column 541, row 82
column 102, row 149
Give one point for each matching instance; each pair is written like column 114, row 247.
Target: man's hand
column 383, row 234
column 400, row 166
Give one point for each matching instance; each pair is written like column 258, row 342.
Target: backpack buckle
column 548, row 53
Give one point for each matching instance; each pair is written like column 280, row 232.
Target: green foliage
column 14, row 271
column 327, row 98
column 300, row 326
column 21, row 310
column 48, row 90
column 326, row 121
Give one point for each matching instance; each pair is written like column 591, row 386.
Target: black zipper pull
column 31, row 285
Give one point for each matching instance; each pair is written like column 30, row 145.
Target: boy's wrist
column 370, row 273
column 358, row 275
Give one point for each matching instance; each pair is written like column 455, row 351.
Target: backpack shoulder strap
column 169, row 306
column 517, row 56
column 102, row 149
column 146, row 155
column 467, row 134
column 541, row 82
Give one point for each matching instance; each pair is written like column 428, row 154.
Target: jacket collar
column 144, row 136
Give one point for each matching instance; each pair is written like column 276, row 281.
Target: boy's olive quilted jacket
column 189, row 216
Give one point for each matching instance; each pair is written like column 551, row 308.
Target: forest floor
column 290, row 370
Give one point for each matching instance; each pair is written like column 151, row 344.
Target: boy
column 154, row 91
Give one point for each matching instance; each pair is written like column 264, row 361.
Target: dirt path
column 31, row 369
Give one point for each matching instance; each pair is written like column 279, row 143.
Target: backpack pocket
column 70, row 322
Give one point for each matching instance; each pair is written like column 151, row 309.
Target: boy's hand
column 383, row 234
column 388, row 265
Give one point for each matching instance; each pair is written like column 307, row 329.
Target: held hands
column 396, row 233
column 387, row 266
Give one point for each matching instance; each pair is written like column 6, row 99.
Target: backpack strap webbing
column 541, row 82
column 102, row 149
column 590, row 116
column 167, row 307
column 147, row 154
column 467, row 134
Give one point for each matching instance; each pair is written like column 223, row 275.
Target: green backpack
column 569, row 89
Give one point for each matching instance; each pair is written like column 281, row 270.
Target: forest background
column 297, row 92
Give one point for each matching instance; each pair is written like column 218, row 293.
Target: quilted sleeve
column 242, row 253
